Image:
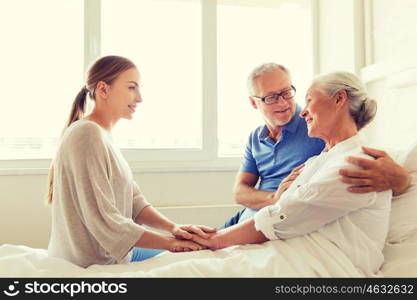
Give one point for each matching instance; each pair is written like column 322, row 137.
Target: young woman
column 97, row 207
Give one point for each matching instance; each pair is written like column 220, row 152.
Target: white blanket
column 401, row 258
column 307, row 256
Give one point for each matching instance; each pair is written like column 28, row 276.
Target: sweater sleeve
column 89, row 165
column 139, row 201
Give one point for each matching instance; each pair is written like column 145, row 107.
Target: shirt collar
column 354, row 141
column 264, row 133
column 291, row 126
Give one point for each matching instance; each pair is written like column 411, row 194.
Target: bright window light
column 250, row 33
column 41, row 73
column 164, row 39
column 43, row 56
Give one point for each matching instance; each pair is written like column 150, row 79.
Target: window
column 41, row 73
column 166, row 47
column 250, row 33
column 193, row 55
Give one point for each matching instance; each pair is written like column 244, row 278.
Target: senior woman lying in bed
column 337, row 107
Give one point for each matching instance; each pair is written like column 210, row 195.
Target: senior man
column 276, row 148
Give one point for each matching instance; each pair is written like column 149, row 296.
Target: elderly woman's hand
column 180, row 245
column 186, row 231
column 377, row 175
column 287, row 181
column 212, row 242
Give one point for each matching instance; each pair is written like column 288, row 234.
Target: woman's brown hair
column 106, row 69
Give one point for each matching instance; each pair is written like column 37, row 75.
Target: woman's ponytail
column 78, row 107
column 77, row 112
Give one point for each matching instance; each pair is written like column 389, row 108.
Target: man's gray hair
column 361, row 108
column 260, row 70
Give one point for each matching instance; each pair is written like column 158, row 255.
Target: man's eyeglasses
column 272, row 99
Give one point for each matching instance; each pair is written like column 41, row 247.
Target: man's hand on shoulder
column 377, row 175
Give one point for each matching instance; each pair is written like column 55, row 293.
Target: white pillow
column 403, row 219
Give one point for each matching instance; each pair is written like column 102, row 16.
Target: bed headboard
column 403, row 218
column 393, row 84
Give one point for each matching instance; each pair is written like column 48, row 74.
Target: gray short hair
column 362, row 109
column 260, row 70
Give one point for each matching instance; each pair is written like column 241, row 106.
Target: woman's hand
column 179, row 245
column 211, row 242
column 287, row 181
column 188, row 231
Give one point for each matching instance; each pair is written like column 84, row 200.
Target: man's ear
column 253, row 102
column 102, row 89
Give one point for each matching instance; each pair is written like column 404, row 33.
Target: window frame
column 205, row 159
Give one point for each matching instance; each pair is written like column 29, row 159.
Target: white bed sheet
column 401, row 258
column 309, row 256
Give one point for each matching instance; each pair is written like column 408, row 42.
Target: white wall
column 392, row 72
column 394, row 31
column 25, row 218
column 395, row 124
column 336, row 35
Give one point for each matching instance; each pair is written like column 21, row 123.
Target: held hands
column 377, row 175
column 185, row 237
column 185, row 231
column 179, row 245
column 211, row 242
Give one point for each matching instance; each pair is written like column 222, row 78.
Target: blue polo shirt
column 273, row 161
